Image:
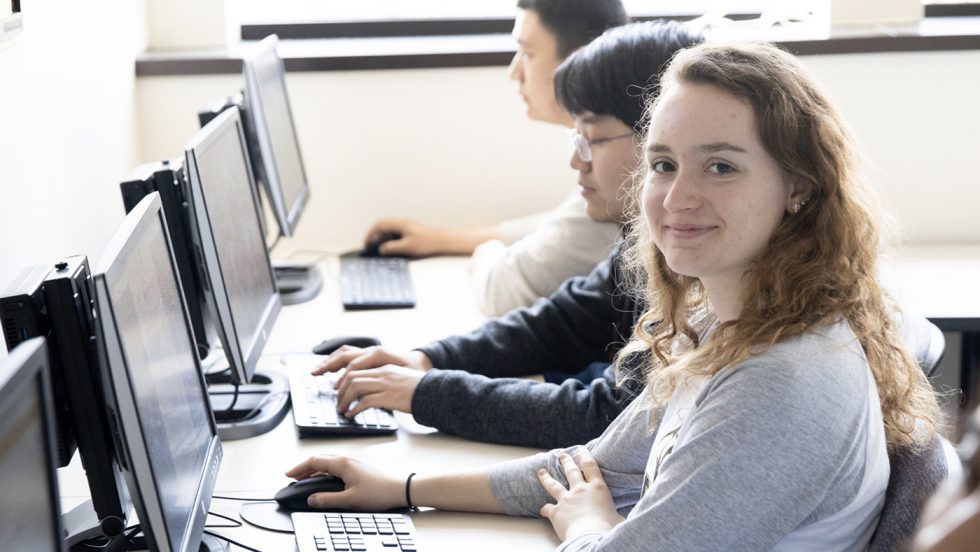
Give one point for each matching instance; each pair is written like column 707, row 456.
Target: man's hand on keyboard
column 390, row 387
column 354, row 358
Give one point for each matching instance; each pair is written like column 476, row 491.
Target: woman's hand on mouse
column 355, row 358
column 390, row 387
column 365, row 488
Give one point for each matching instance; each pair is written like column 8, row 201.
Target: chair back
column 915, row 476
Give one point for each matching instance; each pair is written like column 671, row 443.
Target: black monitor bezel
column 242, row 361
column 263, row 156
column 27, row 363
column 131, row 448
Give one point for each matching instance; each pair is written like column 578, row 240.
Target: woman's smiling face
column 713, row 195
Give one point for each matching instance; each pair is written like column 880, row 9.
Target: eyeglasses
column 583, row 147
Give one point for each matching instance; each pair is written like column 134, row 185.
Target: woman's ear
column 799, row 192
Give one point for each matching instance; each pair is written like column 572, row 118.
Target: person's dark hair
column 576, row 22
column 613, row 74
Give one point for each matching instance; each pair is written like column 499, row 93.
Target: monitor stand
column 297, row 282
column 81, row 524
column 259, row 407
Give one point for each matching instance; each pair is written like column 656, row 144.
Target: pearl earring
column 796, row 208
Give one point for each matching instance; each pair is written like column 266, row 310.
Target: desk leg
column 969, row 357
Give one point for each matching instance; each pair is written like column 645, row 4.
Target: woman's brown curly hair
column 820, row 265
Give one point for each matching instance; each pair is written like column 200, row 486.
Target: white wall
column 453, row 146
column 917, row 116
column 67, row 131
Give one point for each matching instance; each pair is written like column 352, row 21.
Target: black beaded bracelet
column 408, row 491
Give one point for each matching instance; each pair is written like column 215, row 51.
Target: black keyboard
column 375, row 283
column 315, row 405
column 348, row 532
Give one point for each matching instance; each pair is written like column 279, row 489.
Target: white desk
column 254, row 467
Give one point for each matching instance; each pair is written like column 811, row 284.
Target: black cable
column 265, row 400
column 226, row 539
column 224, row 517
column 234, row 398
column 275, row 242
column 244, row 499
column 104, row 543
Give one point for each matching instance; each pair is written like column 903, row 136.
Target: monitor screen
column 170, row 449
column 228, row 232
column 276, row 154
column 30, row 513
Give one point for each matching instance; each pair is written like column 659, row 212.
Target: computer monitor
column 30, row 512
column 241, row 291
column 228, row 234
column 276, row 158
column 168, row 179
column 54, row 301
column 23, row 312
column 156, row 399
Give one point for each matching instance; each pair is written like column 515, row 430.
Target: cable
column 104, row 543
column 224, row 517
column 274, row 243
column 319, row 254
column 265, row 400
column 234, row 399
column 244, row 499
column 226, row 539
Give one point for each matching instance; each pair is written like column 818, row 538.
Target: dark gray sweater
column 475, row 393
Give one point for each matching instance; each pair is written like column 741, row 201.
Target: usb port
column 24, row 336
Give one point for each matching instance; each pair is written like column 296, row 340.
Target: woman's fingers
column 572, row 472
column 590, row 468
column 550, row 484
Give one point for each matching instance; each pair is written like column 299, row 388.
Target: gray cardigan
column 784, row 451
column 475, row 393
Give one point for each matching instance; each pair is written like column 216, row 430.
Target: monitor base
column 258, row 408
column 297, row 282
column 82, row 524
column 212, row 544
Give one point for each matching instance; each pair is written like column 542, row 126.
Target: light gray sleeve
column 621, row 452
column 772, row 445
column 566, row 243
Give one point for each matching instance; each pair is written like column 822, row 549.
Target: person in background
column 522, row 260
column 775, row 381
column 951, row 521
column 476, row 392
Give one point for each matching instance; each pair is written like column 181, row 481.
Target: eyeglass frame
column 583, row 147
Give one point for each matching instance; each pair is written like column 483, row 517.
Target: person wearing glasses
column 476, row 390
column 775, row 380
column 524, row 259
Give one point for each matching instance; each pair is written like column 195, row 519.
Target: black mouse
column 293, row 496
column 328, row 346
column 373, row 247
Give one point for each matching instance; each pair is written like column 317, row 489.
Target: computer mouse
column 293, row 496
column 328, row 346
column 373, row 248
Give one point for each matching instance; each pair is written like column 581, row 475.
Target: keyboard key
column 316, row 532
column 373, row 283
column 319, row 416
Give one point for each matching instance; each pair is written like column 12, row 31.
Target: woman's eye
column 662, row 166
column 721, row 168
